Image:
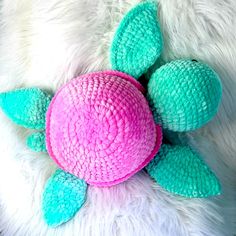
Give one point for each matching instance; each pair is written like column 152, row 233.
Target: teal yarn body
column 184, row 95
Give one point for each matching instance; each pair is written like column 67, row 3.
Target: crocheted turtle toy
column 100, row 129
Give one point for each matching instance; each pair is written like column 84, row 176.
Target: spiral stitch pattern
column 101, row 129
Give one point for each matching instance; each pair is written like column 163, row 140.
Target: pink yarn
column 99, row 128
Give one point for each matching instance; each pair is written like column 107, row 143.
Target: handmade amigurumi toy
column 100, row 129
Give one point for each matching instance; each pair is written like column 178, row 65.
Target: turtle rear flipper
column 26, row 107
column 63, row 196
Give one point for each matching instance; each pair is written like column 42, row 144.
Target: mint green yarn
column 63, row 196
column 179, row 170
column 138, row 41
column 36, row 142
column 184, row 95
column 26, row 107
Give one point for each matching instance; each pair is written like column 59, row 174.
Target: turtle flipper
column 184, row 95
column 138, row 40
column 37, row 142
column 63, row 196
column 26, row 107
column 180, row 170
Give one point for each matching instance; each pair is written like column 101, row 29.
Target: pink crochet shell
column 100, row 128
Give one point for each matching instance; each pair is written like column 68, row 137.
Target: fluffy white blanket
column 44, row 44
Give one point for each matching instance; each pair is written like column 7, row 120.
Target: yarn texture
column 63, row 196
column 138, row 41
column 101, row 129
column 179, row 170
column 36, row 142
column 26, row 107
column 184, row 95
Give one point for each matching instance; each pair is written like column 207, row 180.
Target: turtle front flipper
column 184, row 95
column 138, row 40
column 63, row 196
column 180, row 170
column 26, row 107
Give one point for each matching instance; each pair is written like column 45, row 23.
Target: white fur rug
column 45, row 43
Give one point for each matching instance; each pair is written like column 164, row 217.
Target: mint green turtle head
column 184, row 95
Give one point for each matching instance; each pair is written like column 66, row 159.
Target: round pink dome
column 99, row 128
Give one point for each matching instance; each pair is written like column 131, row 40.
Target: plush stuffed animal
column 102, row 127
